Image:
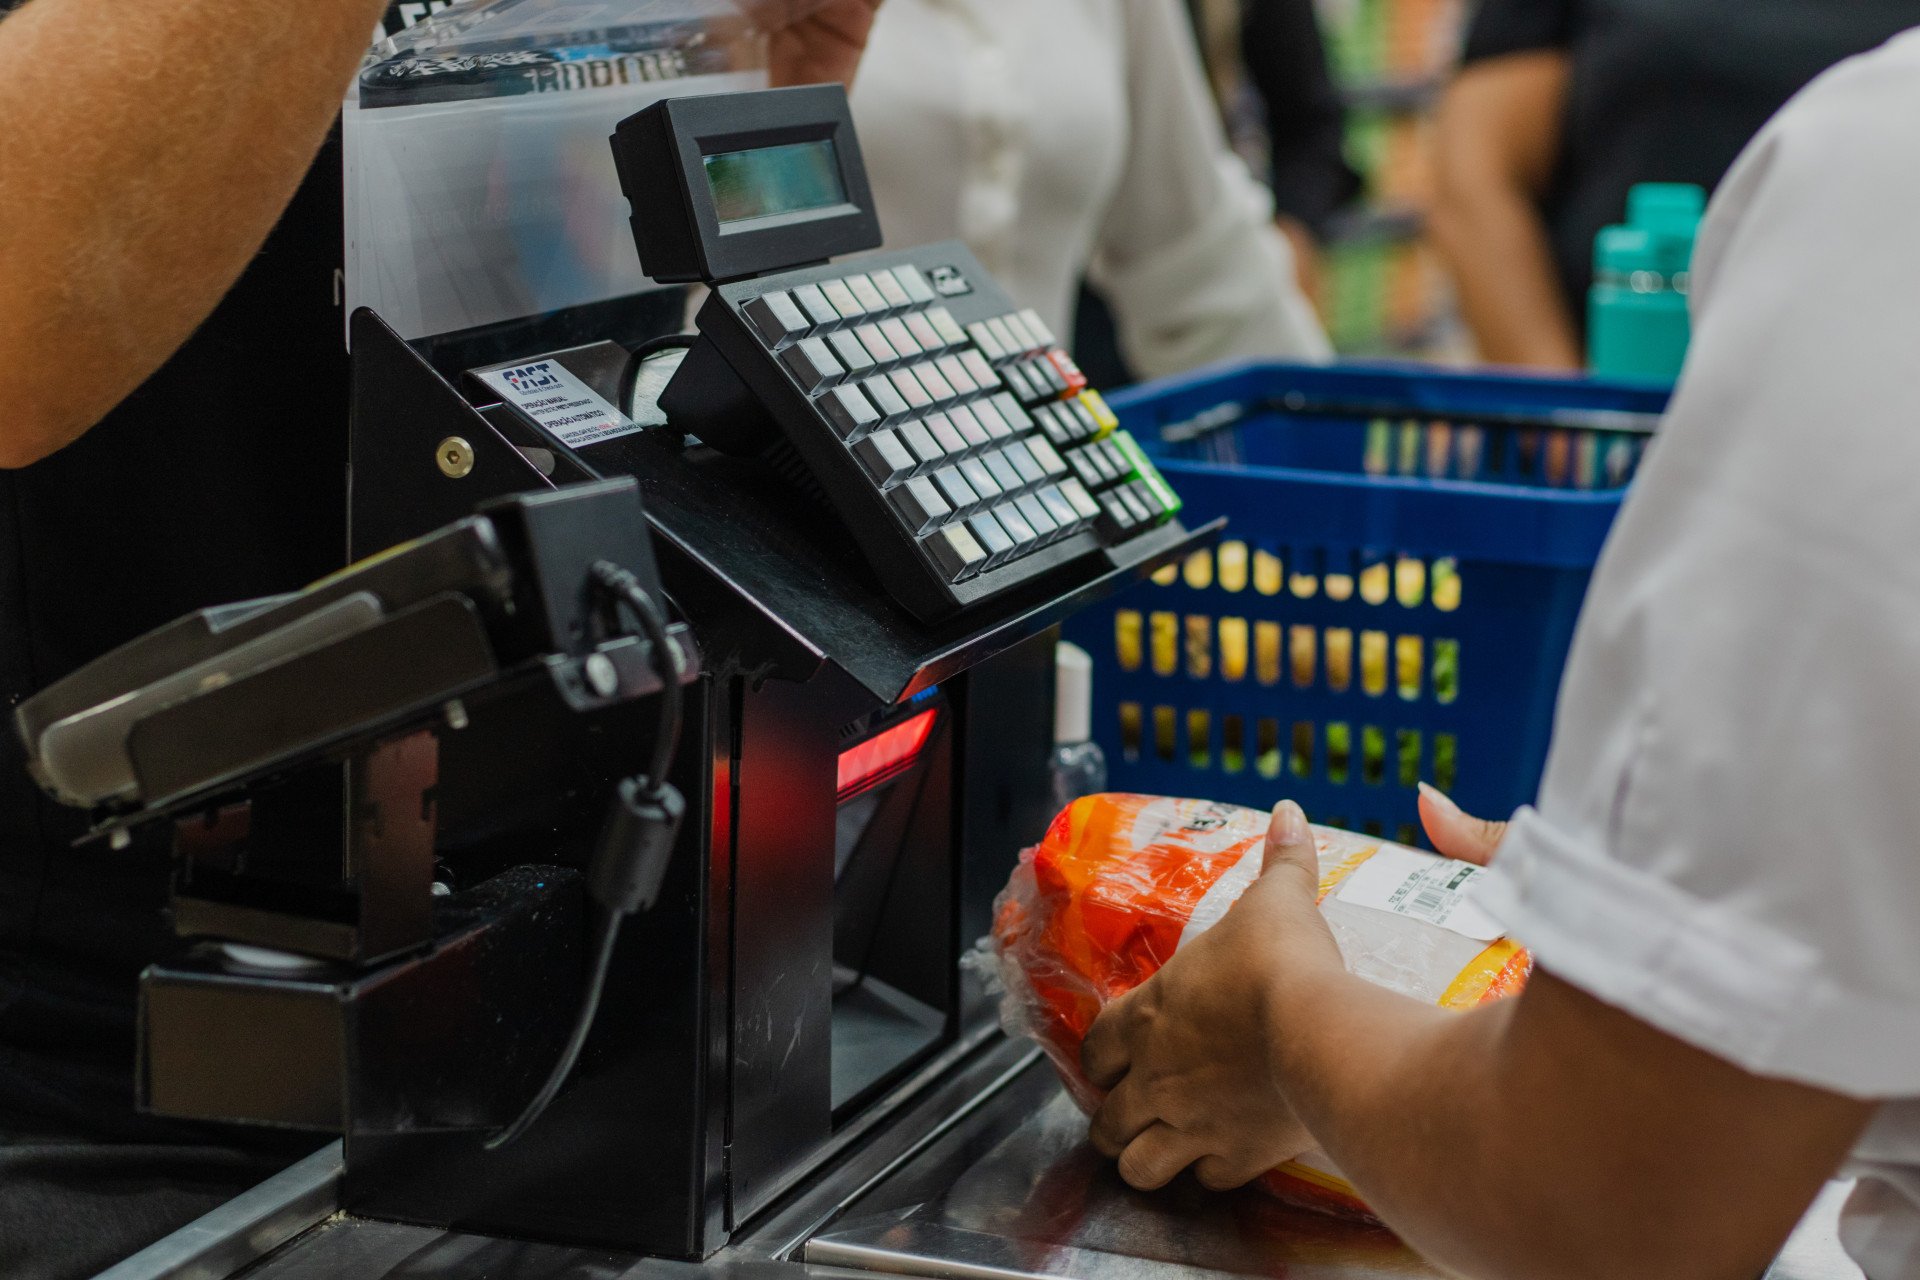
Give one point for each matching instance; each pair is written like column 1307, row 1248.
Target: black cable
column 606, row 933
column 630, row 372
column 630, row 860
column 621, row 585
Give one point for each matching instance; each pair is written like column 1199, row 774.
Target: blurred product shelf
column 1385, row 292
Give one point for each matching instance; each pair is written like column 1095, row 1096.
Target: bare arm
column 815, row 41
column 145, row 153
column 147, row 150
column 1554, row 1136
column 1497, row 140
column 1544, row 1137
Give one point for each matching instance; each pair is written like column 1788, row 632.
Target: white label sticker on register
column 570, row 410
column 1424, row 886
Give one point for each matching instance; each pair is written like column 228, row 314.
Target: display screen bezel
column 723, row 123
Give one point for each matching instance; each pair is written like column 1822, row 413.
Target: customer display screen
column 770, row 181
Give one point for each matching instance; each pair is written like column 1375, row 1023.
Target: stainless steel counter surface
column 1004, row 1188
column 1040, row 1202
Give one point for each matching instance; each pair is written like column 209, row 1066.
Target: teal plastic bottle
column 1637, row 323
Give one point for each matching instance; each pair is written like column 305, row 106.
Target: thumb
column 1290, row 842
column 1456, row 834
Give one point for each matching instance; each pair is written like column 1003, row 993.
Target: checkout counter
column 713, row 1019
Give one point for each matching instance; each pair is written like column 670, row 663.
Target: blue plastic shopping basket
column 1392, row 600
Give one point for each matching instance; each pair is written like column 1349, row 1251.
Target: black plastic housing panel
column 381, row 1051
column 661, row 155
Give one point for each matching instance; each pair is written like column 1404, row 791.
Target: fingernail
column 1439, row 798
column 1289, row 823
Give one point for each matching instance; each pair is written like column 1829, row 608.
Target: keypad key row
column 896, row 296
column 1050, row 376
column 1159, row 494
column 1098, row 465
column 913, row 390
column 1012, row 336
column 1128, row 510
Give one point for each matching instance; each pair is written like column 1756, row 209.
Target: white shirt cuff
column 1701, row 971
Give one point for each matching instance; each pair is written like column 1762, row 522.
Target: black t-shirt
column 1668, row 90
column 1286, row 59
column 222, row 478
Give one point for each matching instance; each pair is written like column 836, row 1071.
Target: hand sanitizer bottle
column 1079, row 766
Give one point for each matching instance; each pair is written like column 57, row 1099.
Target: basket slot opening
column 1410, row 582
column 1339, row 659
column 1268, row 572
column 1129, row 648
column 1373, row 755
column 1266, row 652
column 1163, row 733
column 1199, row 738
column 1233, row 649
column 1376, row 581
column 1409, row 654
column 1407, row 743
column 1446, row 672
column 1301, row 763
column 1233, row 570
column 1164, row 632
column 1199, row 646
column 1267, row 746
column 1233, row 743
column 1339, row 581
column 1446, row 761
column 1304, row 654
column 1130, row 731
column 1339, row 752
column 1373, row 663
column 1446, row 585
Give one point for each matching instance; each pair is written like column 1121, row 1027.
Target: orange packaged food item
column 1121, row 881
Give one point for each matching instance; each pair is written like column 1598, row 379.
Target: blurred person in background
column 1560, row 107
column 1077, row 140
column 1268, row 64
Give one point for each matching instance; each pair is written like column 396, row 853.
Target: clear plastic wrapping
column 1120, row 882
column 479, row 186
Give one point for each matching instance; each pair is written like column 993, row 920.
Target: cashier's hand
column 1190, row 1054
column 813, row 41
column 1456, row 834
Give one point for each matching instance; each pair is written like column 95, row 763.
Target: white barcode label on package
column 1424, row 886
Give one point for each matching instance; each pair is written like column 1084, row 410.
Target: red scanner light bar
column 885, row 753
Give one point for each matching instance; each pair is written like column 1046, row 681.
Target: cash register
column 873, row 486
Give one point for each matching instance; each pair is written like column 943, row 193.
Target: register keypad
column 984, row 438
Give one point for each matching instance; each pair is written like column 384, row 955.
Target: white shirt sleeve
column 1187, row 252
column 1727, row 844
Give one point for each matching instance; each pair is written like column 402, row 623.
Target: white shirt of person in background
column 1068, row 138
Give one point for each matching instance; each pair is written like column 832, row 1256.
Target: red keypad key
column 1069, row 371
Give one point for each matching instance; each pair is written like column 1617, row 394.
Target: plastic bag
column 1121, row 882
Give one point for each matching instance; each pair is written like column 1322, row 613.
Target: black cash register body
column 879, row 486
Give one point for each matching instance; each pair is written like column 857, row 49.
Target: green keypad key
column 1143, row 469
